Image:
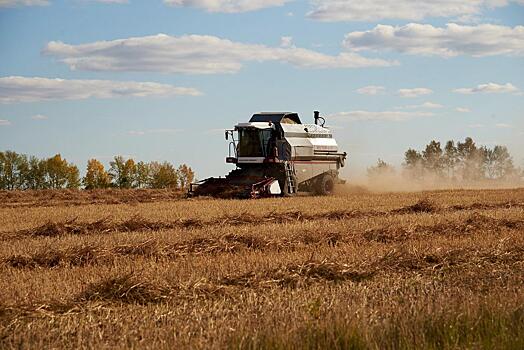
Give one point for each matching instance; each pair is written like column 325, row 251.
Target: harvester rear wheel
column 325, row 185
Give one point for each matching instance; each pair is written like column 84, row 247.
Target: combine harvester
column 276, row 155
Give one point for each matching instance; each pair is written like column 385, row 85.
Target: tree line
column 456, row 162
column 23, row 172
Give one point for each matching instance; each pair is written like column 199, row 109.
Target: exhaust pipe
column 317, row 117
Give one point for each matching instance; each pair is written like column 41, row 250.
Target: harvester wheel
column 285, row 189
column 325, row 185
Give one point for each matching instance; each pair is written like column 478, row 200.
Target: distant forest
column 456, row 162
column 22, row 172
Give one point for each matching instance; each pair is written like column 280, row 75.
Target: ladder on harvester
column 290, row 178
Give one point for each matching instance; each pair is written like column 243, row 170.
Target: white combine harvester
column 276, row 155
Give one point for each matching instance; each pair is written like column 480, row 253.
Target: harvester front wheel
column 325, row 185
column 285, row 189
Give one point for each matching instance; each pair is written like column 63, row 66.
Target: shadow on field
column 473, row 224
column 140, row 224
column 83, row 255
column 50, row 257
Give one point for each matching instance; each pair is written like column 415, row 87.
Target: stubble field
column 441, row 269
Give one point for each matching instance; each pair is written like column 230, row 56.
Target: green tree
column 413, row 164
column 432, row 158
column 471, row 160
column 23, row 176
column 142, row 175
column 450, row 158
column 123, row 172
column 503, row 163
column 96, row 176
column 37, row 173
column 12, row 170
column 163, row 175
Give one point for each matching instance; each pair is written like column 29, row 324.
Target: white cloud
column 395, row 116
column 153, row 131
column 462, row 110
column 374, row 10
column 4, row 122
column 468, row 19
column 39, row 117
column 23, row 89
column 425, row 105
column 112, row 1
column 489, row 88
column 503, row 126
column 16, row 3
column 196, row 54
column 451, row 40
column 371, row 90
column 415, row 92
column 227, row 6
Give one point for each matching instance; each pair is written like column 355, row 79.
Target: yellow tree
column 130, row 173
column 96, row 176
column 186, row 175
column 73, row 176
column 57, row 171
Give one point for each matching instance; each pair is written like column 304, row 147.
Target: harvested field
column 67, row 197
column 362, row 270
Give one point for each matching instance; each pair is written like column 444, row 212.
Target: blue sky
column 159, row 80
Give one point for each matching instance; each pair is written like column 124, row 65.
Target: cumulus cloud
column 4, row 122
column 16, row 3
column 451, row 40
column 425, row 105
column 371, row 90
column 112, row 1
column 374, row 10
column 489, row 88
column 415, row 92
column 396, row 116
column 503, row 126
column 227, row 6
column 195, row 54
column 23, row 89
column 462, row 110
column 39, row 117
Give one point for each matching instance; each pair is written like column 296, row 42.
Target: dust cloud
column 399, row 183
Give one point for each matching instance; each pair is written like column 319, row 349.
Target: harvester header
column 277, row 155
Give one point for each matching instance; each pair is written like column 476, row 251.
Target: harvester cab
column 277, row 155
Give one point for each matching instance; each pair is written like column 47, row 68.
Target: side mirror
column 227, row 135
